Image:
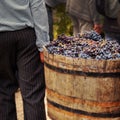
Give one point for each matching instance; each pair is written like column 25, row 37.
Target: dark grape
column 89, row 46
column 92, row 35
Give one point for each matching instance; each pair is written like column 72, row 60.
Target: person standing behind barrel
column 84, row 15
column 111, row 13
column 50, row 5
column 23, row 33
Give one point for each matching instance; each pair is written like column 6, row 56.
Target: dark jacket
column 118, row 19
column 112, row 25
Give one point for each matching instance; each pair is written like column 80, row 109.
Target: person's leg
column 85, row 26
column 8, row 82
column 31, row 76
column 75, row 24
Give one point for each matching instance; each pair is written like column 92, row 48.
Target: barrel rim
column 66, row 57
column 81, row 64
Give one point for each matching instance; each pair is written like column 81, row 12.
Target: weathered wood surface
column 81, row 89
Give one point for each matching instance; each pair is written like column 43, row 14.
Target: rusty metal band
column 85, row 113
column 90, row 74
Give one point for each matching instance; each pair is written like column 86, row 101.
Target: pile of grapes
column 89, row 45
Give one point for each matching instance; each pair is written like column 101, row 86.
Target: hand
column 42, row 57
column 98, row 28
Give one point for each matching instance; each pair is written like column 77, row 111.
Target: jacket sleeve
column 95, row 16
column 40, row 21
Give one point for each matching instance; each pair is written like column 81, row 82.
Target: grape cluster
column 92, row 35
column 82, row 47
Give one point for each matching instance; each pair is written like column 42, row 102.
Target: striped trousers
column 21, row 67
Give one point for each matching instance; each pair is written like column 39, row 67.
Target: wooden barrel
column 82, row 89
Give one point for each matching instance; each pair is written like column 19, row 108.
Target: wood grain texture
column 85, row 89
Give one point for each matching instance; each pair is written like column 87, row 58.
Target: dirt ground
column 19, row 106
